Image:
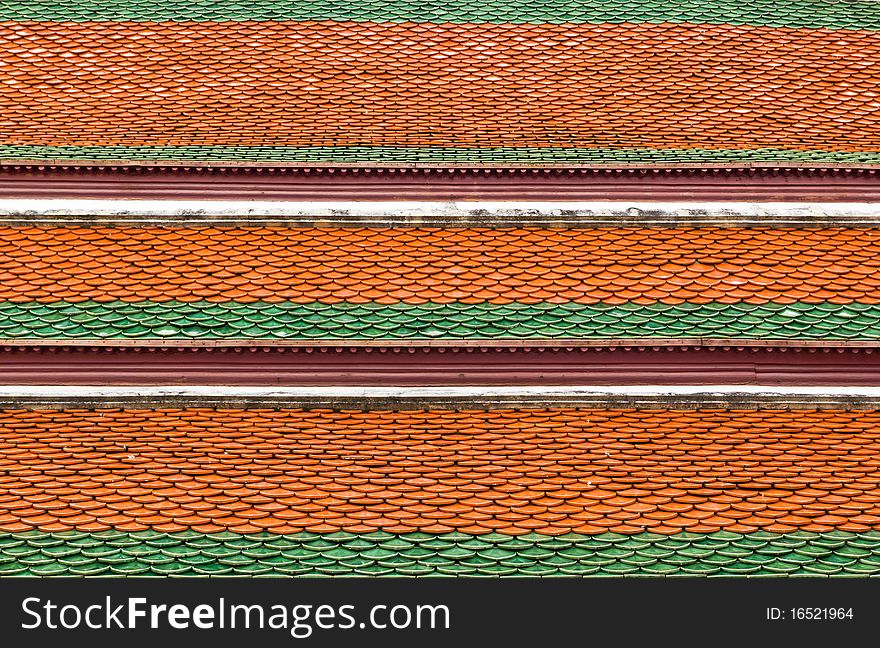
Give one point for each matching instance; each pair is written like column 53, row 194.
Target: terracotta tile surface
column 385, row 90
column 456, row 265
column 514, row 472
column 304, row 283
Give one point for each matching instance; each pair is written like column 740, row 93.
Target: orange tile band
column 417, row 266
column 443, row 85
column 511, row 471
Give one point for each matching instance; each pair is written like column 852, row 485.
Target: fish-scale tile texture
column 850, row 14
column 433, row 265
column 149, row 321
column 514, row 472
column 114, row 553
column 433, row 283
column 361, row 88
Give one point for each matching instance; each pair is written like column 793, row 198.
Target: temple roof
column 217, row 282
column 472, row 490
column 462, row 82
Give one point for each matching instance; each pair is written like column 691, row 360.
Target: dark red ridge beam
column 363, row 183
column 438, row 366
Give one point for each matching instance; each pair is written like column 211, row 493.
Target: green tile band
column 116, row 553
column 793, row 13
column 428, row 155
column 261, row 320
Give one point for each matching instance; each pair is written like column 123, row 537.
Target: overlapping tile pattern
column 851, row 14
column 440, row 265
column 537, row 492
column 360, row 87
column 549, row 471
column 528, row 156
column 150, row 553
column 306, row 323
column 307, row 283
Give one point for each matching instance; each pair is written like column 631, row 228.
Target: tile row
column 439, row 86
column 515, row 471
column 786, row 13
column 187, row 320
column 431, row 265
column 444, row 555
column 482, row 155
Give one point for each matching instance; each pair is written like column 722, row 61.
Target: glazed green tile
column 862, row 568
column 170, row 569
column 357, row 562
column 265, row 554
column 50, row 569
column 518, row 543
column 616, row 552
column 318, row 544
column 819, row 569
column 396, row 562
column 863, row 542
column 790, row 13
column 212, row 569
column 597, row 561
column 418, row 570
column 300, row 554
column 695, row 552
column 396, row 154
column 836, row 559
column 60, row 550
column 401, row 543
column 686, row 320
column 813, row 550
column 359, row 544
column 236, row 560
column 660, row 569
column 752, row 544
column 182, row 550
column 45, row 542
column 732, row 551
column 700, row 569
column 673, row 543
column 712, row 542
column 681, row 560
column 90, row 568
column 261, row 552
column 718, row 560
column 555, row 542
column 458, row 553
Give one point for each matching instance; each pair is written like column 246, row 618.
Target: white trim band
column 461, row 398
column 469, row 392
column 457, row 212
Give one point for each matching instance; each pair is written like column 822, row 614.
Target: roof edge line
column 566, row 343
column 418, row 398
column 457, row 213
column 59, row 163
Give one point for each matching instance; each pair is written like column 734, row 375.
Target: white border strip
column 456, row 392
column 749, row 397
column 462, row 212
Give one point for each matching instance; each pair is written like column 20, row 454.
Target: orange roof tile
column 433, row 265
column 510, row 471
column 361, row 91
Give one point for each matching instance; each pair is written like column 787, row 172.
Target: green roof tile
column 427, row 155
column 151, row 321
column 787, row 13
column 381, row 554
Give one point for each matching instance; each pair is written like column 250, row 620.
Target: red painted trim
column 360, row 183
column 433, row 366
